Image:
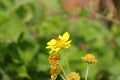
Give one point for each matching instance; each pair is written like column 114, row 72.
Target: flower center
column 59, row 43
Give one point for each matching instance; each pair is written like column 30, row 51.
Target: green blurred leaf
column 11, row 29
column 117, row 41
column 42, row 64
column 52, row 5
column 4, row 16
column 19, row 3
column 27, row 51
column 22, row 72
column 4, row 75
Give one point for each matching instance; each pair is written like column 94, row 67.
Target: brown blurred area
column 98, row 6
column 107, row 10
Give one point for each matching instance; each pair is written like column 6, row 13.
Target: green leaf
column 43, row 64
column 117, row 41
column 22, row 72
column 11, row 29
column 52, row 4
column 3, row 16
column 19, row 3
column 2, row 53
column 27, row 51
column 4, row 75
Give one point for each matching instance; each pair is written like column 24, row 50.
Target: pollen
column 59, row 43
column 53, row 58
column 73, row 76
column 89, row 58
column 54, row 71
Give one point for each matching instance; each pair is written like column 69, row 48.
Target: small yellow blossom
column 53, row 59
column 54, row 71
column 62, row 42
column 73, row 76
column 89, row 58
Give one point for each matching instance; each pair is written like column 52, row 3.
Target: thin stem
column 63, row 70
column 62, row 76
column 55, row 77
column 86, row 75
column 66, row 61
column 67, row 64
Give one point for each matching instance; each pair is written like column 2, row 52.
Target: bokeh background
column 27, row 25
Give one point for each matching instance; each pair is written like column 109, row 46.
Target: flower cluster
column 55, row 45
column 61, row 42
column 89, row 58
column 55, row 68
column 73, row 76
column 53, row 59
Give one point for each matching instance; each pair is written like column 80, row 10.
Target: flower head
column 54, row 71
column 89, row 58
column 56, row 44
column 53, row 58
column 73, row 76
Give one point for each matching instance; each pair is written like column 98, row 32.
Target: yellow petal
column 67, row 46
column 52, row 42
column 68, row 42
column 49, row 47
column 54, row 50
column 51, row 51
column 60, row 37
column 57, row 49
column 66, row 36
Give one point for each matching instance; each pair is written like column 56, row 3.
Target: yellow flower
column 89, row 58
column 73, row 76
column 56, row 44
column 54, row 71
column 53, row 59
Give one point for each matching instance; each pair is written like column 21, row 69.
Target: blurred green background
column 27, row 25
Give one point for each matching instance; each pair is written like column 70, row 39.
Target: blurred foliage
column 25, row 28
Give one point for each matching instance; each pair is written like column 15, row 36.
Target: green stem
column 63, row 70
column 86, row 75
column 67, row 63
column 55, row 78
column 62, row 76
